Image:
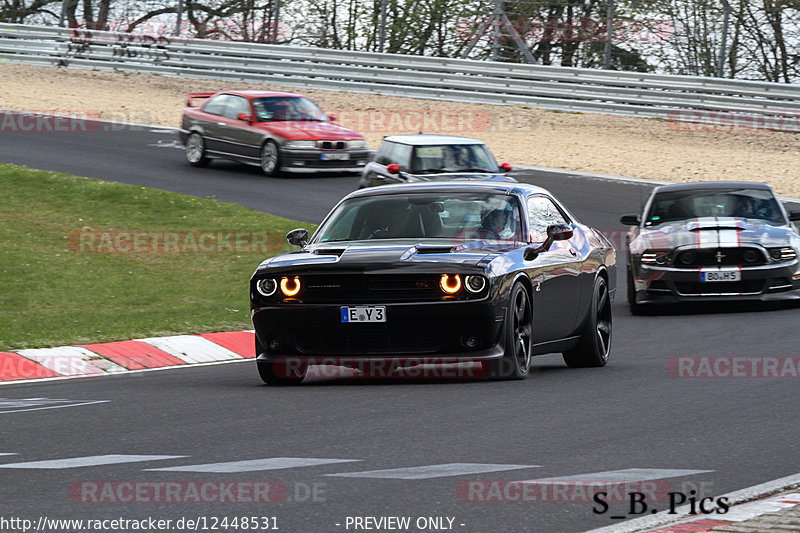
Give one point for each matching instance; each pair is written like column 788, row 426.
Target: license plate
column 719, row 275
column 335, row 156
column 364, row 313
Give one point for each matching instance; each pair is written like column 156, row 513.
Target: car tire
column 282, row 372
column 516, row 360
column 270, row 159
column 196, row 150
column 594, row 345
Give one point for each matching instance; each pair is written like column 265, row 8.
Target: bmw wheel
column 270, row 158
column 516, row 360
column 594, row 346
column 196, row 150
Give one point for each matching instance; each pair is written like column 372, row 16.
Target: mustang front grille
column 724, row 287
column 745, row 256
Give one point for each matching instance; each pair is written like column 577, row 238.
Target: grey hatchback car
column 428, row 157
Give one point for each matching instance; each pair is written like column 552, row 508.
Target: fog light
column 266, row 287
column 687, row 258
column 470, row 341
column 274, row 344
column 750, row 256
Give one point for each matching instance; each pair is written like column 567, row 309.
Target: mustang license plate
column 334, row 156
column 720, row 275
column 364, row 313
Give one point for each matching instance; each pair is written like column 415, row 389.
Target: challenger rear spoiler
column 192, row 96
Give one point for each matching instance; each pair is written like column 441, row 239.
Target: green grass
column 55, row 291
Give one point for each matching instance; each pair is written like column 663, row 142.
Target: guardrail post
column 609, row 34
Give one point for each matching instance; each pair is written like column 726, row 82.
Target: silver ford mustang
column 712, row 241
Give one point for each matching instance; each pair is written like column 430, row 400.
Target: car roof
column 255, row 93
column 430, row 139
column 451, row 187
column 706, row 185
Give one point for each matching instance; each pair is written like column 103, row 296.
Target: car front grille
column 723, row 287
column 410, row 342
column 745, row 256
column 332, row 145
column 377, row 288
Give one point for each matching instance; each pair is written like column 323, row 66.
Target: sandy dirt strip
column 647, row 148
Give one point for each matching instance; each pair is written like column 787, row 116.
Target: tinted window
column 543, row 212
column 452, row 158
column 675, row 206
column 452, row 216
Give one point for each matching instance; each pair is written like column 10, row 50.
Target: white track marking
column 619, row 476
column 71, row 361
column 253, row 465
column 92, row 460
column 432, row 471
column 192, row 349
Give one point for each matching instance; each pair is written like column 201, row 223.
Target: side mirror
column 794, row 216
column 394, row 168
column 631, row 220
column 506, row 167
column 297, row 237
column 555, row 232
column 333, row 117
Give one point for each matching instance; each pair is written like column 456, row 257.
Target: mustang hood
column 712, row 232
column 309, row 130
column 373, row 256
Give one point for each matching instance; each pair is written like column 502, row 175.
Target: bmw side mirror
column 794, row 216
column 631, row 220
column 297, row 237
column 332, row 117
column 394, row 168
column 244, row 116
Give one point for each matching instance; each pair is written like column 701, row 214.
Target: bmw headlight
column 358, row 143
column 301, row 144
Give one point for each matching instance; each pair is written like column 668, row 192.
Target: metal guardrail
column 720, row 102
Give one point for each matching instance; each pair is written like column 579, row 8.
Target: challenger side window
column 542, row 212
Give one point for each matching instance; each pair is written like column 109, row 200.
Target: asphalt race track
column 440, row 447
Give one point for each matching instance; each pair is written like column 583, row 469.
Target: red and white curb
column 123, row 356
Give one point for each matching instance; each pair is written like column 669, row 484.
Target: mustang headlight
column 784, row 253
column 290, row 287
column 301, row 144
column 266, row 287
column 357, row 143
column 655, row 257
column 475, row 284
column 450, row 284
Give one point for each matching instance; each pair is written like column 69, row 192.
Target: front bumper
column 415, row 333
column 310, row 161
column 655, row 284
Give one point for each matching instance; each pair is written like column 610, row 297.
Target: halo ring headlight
column 450, row 285
column 475, row 284
column 266, row 287
column 290, row 287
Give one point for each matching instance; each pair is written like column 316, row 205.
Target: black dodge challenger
column 436, row 273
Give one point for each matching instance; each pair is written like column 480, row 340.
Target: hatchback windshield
column 452, row 158
column 283, row 108
column 427, row 215
column 673, row 206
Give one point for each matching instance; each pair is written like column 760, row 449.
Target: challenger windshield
column 457, row 216
column 674, row 206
